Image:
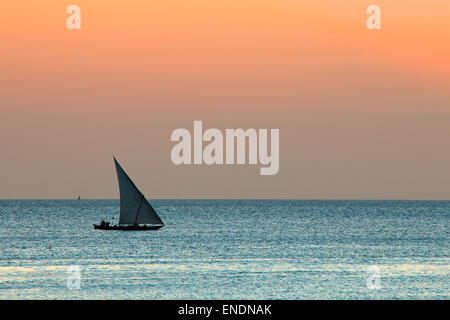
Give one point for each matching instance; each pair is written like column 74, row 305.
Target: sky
column 363, row 114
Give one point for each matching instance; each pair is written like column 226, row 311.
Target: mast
column 140, row 204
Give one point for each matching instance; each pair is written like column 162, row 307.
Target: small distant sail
column 134, row 208
column 79, row 198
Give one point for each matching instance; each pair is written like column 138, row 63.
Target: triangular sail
column 134, row 208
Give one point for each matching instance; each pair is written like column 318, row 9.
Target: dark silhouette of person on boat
column 104, row 223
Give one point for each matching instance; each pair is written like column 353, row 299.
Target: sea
column 227, row 249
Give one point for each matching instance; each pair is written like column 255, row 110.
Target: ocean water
column 228, row 249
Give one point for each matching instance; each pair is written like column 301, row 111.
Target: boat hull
column 127, row 228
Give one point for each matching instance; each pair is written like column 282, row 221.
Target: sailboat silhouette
column 136, row 213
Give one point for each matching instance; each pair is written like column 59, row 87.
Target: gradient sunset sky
column 362, row 114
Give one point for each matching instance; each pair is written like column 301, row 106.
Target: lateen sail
column 134, row 208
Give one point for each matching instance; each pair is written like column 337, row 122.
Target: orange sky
column 362, row 114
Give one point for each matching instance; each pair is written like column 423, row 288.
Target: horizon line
column 264, row 199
